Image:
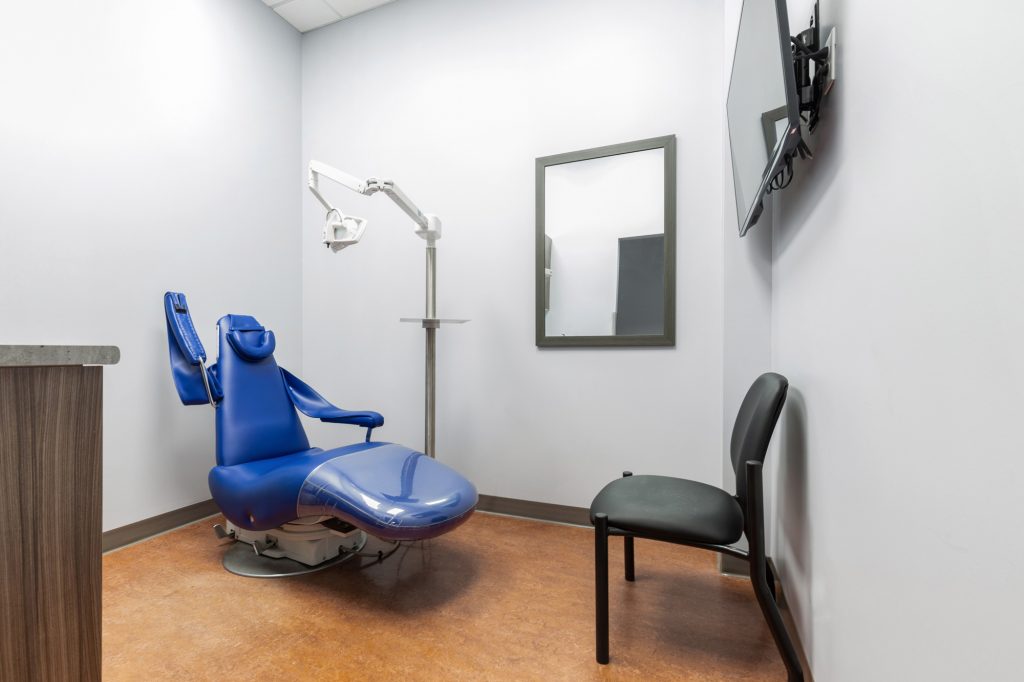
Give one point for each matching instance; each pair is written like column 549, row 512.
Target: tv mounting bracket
column 815, row 68
column 814, row 65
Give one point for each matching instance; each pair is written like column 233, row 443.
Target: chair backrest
column 754, row 425
column 187, row 355
column 256, row 419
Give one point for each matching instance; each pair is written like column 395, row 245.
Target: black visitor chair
column 699, row 515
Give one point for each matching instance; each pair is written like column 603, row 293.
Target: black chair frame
column 761, row 575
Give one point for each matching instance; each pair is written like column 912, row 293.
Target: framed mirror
column 606, row 246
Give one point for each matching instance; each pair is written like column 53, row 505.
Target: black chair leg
column 770, row 577
column 760, row 573
column 601, row 584
column 630, row 569
column 628, row 539
column 766, row 600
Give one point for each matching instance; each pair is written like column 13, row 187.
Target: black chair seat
column 671, row 508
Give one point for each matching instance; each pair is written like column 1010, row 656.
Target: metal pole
column 430, row 325
column 428, row 445
column 431, row 281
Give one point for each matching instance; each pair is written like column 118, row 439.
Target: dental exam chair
column 290, row 507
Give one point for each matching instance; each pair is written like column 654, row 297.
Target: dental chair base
column 302, row 546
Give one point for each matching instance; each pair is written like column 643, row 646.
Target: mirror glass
column 603, row 246
column 757, row 100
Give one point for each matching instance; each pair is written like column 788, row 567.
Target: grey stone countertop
column 39, row 356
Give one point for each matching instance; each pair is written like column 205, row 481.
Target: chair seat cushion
column 673, row 509
column 387, row 490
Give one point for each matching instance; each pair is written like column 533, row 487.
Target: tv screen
column 762, row 108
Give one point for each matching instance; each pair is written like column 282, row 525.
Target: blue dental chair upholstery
column 267, row 474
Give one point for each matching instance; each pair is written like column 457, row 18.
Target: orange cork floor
column 500, row 598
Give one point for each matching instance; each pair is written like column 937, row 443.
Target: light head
column 342, row 230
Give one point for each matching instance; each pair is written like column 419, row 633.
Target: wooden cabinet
column 50, row 522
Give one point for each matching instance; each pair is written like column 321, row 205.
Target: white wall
column 589, row 206
column 146, row 147
column 455, row 99
column 747, row 282
column 898, row 319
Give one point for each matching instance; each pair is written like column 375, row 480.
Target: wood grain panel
column 13, row 640
column 54, row 414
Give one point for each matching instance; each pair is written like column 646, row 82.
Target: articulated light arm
column 398, row 196
column 341, row 230
column 316, row 169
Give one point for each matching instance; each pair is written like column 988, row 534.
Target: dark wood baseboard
column 542, row 511
column 140, row 530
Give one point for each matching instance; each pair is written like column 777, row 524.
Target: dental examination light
column 341, row 231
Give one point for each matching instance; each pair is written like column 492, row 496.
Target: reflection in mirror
column 591, row 206
column 757, row 99
column 640, row 286
column 605, row 246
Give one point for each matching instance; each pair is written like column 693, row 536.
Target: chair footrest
column 386, row 490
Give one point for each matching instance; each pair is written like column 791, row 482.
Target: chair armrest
column 312, row 404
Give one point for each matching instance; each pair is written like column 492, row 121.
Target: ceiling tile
column 347, row 8
column 306, row 15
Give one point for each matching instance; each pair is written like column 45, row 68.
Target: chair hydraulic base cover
column 269, row 481
column 305, row 546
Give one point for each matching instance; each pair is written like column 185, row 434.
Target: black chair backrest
column 754, row 425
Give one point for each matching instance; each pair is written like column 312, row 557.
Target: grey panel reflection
column 640, row 302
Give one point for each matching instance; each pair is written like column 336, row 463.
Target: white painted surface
column 458, row 123
column 307, row 15
column 589, row 206
column 898, row 319
column 747, row 283
column 146, row 147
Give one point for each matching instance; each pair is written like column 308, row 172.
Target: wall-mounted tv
column 765, row 101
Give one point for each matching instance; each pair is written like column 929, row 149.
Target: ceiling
column 307, row 15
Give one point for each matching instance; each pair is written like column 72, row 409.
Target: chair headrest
column 249, row 339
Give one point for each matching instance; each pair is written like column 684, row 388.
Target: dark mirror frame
column 668, row 337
